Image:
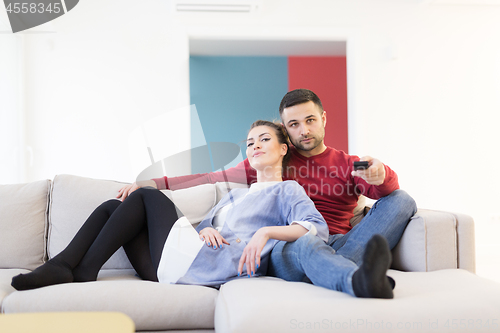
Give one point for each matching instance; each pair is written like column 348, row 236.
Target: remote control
column 361, row 165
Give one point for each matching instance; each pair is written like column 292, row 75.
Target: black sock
column 52, row 272
column 370, row 280
column 392, row 282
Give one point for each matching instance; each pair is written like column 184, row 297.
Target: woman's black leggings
column 141, row 224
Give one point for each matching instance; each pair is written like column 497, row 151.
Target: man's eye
column 293, row 125
column 310, row 120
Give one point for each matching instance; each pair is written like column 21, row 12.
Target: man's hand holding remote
column 374, row 174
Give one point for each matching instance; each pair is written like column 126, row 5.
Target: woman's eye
column 249, row 144
column 265, row 139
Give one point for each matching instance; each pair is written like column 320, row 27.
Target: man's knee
column 399, row 200
column 286, row 258
column 404, row 202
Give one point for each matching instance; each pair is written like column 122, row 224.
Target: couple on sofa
column 272, row 228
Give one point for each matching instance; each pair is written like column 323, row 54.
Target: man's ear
column 323, row 116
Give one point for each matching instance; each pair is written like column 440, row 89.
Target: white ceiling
column 464, row 2
column 227, row 47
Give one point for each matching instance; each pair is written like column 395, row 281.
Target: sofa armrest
column 436, row 240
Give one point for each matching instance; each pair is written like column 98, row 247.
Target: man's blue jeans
column 332, row 265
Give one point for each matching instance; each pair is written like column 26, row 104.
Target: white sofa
column 436, row 288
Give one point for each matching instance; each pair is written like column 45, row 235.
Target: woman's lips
column 257, row 154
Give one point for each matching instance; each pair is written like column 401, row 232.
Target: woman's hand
column 212, row 238
column 126, row 190
column 251, row 253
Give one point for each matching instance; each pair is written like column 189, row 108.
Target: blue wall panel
column 230, row 93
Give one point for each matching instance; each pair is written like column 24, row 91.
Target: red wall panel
column 327, row 77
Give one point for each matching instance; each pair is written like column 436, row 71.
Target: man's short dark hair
column 299, row 96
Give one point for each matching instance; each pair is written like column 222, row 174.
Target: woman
column 239, row 232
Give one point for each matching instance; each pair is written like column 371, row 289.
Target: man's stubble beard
column 317, row 139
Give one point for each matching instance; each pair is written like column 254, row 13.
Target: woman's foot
column 52, row 272
column 370, row 280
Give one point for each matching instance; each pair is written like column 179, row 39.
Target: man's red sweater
column 326, row 178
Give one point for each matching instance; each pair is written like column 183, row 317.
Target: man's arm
column 242, row 173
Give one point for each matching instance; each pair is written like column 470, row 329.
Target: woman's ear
column 284, row 149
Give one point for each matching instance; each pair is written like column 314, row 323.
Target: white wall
column 424, row 87
column 11, row 113
column 106, row 69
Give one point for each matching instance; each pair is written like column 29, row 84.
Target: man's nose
column 304, row 130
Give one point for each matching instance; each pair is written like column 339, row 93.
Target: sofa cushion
column 223, row 188
column 194, row 202
column 23, row 212
column 428, row 243
column 151, row 305
column 72, row 200
column 423, row 302
column 6, row 276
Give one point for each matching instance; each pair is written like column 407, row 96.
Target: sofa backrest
column 39, row 219
column 72, row 200
column 23, row 217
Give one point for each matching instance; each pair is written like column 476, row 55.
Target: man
column 362, row 254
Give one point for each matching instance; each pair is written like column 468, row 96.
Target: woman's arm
column 251, row 253
column 287, row 233
column 241, row 173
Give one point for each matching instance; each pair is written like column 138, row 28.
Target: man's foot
column 370, row 280
column 52, row 272
column 392, row 282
